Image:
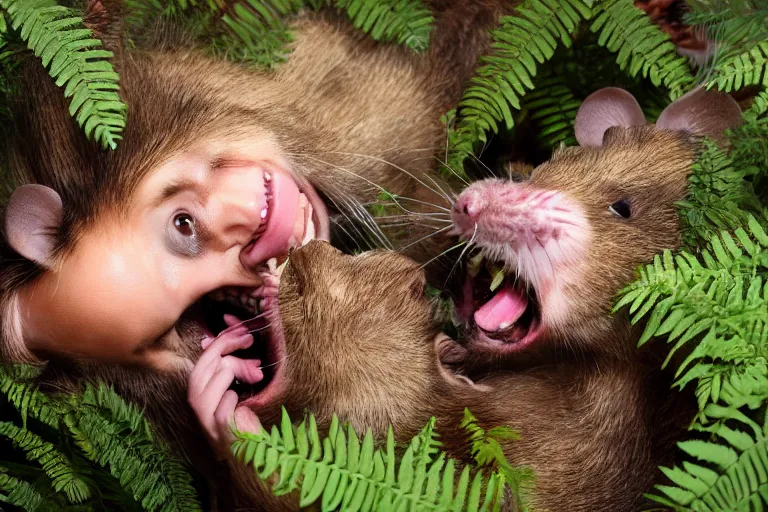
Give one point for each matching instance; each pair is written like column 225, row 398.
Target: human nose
column 241, row 198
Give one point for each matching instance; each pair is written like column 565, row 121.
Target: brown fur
column 649, row 166
column 348, row 113
column 361, row 343
column 340, row 108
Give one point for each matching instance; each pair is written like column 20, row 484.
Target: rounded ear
column 604, row 109
column 701, row 112
column 452, row 354
column 32, row 219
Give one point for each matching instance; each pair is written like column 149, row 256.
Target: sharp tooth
column 267, row 176
column 272, row 264
column 504, row 325
column 264, row 213
column 310, row 234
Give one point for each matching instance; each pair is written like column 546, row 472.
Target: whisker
column 381, row 160
column 394, row 198
column 425, row 238
column 443, row 254
column 483, row 164
column 469, row 246
column 273, row 364
column 259, row 329
column 243, row 322
column 445, row 163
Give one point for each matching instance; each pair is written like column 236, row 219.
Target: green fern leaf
column 22, row 494
column 640, row 45
column 359, row 479
column 553, row 105
column 59, row 469
column 520, row 44
column 407, row 22
column 57, row 35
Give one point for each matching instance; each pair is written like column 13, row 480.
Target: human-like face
column 209, row 218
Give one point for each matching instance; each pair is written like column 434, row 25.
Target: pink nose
column 467, row 210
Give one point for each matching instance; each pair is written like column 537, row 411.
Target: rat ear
column 32, row 218
column 701, row 112
column 604, row 109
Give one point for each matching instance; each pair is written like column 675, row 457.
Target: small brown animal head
column 574, row 233
column 359, row 340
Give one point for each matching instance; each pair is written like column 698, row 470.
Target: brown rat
column 355, row 336
column 571, row 236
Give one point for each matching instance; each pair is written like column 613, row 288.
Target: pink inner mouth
column 289, row 213
column 504, row 309
column 508, row 319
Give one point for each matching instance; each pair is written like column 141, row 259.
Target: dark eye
column 182, row 235
column 184, row 224
column 621, row 208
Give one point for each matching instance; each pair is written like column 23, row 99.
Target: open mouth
column 503, row 309
column 290, row 218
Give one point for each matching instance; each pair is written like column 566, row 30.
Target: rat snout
column 504, row 213
column 467, row 210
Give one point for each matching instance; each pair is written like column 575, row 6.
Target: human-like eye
column 621, row 208
column 184, row 224
column 182, row 235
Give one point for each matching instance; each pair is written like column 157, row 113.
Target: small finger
column 246, row 370
column 232, row 320
column 224, row 345
column 208, row 401
column 201, row 375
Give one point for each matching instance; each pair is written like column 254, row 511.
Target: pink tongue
column 504, row 308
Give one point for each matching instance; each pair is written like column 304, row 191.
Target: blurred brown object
column 668, row 15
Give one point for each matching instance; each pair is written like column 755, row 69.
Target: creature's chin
column 507, row 319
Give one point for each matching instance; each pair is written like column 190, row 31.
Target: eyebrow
column 177, row 187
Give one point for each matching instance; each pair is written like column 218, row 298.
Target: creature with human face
column 110, row 256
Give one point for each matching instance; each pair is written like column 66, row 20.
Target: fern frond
column 641, row 46
column 407, row 22
column 21, row 392
column 68, row 50
column 506, row 75
column 344, row 473
column 732, row 25
column 59, row 469
column 115, row 435
column 721, row 296
column 720, row 195
column 732, row 472
column 749, row 67
column 21, row 494
column 554, row 107
column 257, row 32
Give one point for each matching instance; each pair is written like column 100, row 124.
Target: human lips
column 288, row 219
